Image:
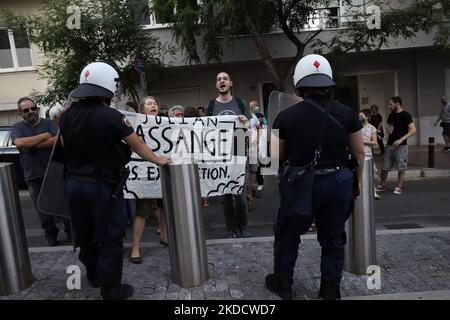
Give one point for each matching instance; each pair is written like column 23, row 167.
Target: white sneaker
column 260, row 188
column 377, row 196
column 398, row 190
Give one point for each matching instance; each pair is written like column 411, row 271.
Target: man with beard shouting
column 226, row 104
column 34, row 137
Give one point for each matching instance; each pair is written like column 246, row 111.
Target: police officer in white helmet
column 96, row 143
column 314, row 139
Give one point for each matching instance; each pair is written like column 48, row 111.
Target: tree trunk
column 264, row 52
column 288, row 85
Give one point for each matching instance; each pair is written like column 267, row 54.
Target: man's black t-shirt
column 399, row 123
column 92, row 136
column 300, row 124
column 375, row 120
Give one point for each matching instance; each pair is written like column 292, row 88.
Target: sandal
column 136, row 260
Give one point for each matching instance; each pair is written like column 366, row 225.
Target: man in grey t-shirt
column 226, row 104
column 34, row 137
column 444, row 118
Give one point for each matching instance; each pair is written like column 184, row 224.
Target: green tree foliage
column 109, row 32
column 429, row 16
column 212, row 25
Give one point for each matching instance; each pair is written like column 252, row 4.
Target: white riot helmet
column 313, row 70
column 97, row 79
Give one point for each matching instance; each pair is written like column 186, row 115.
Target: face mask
column 257, row 109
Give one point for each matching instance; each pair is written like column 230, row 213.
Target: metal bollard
column 431, row 146
column 360, row 250
column 187, row 246
column 15, row 267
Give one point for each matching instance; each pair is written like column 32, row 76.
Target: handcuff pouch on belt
column 296, row 185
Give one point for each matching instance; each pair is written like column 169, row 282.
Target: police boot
column 330, row 290
column 116, row 292
column 281, row 284
column 273, row 280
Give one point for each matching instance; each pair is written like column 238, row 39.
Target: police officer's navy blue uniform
column 96, row 143
column 315, row 136
column 332, row 188
column 94, row 155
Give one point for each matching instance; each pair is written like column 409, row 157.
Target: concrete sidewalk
column 418, row 164
column 415, row 264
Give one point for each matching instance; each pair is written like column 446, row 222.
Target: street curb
column 423, row 173
column 426, row 295
column 238, row 241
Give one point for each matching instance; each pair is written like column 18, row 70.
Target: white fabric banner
column 207, row 141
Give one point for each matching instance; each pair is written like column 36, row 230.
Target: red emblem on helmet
column 316, row 64
column 86, row 74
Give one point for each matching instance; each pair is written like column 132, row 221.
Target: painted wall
column 380, row 76
column 374, row 89
column 194, row 85
column 14, row 85
column 245, row 77
column 278, row 45
column 431, row 78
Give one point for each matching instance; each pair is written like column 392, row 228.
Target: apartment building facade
column 409, row 68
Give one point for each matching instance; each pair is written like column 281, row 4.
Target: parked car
column 9, row 153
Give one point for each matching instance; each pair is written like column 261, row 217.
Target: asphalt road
column 425, row 203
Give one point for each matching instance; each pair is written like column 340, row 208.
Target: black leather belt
column 82, row 178
column 327, row 170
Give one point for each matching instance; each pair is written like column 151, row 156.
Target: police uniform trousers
column 236, row 215
column 88, row 201
column 332, row 204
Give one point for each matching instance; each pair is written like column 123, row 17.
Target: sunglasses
column 26, row 110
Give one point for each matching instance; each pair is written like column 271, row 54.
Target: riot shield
column 52, row 199
column 279, row 101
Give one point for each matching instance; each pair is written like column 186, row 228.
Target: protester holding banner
column 96, row 145
column 314, row 138
column 226, row 104
column 144, row 207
